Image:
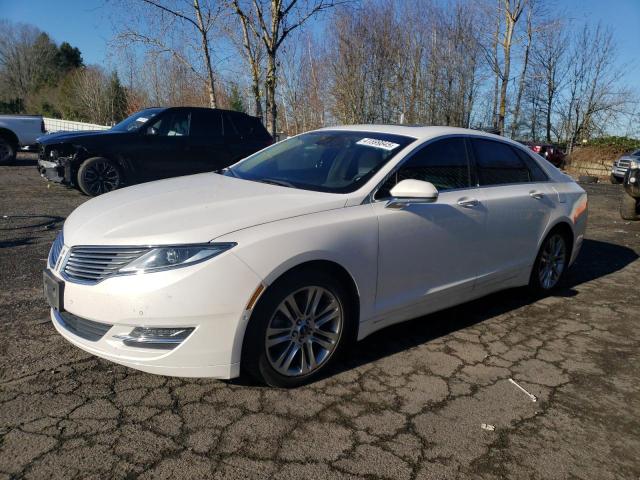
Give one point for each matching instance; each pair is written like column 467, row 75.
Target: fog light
column 152, row 337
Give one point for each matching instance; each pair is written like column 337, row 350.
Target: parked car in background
column 277, row 265
column 630, row 199
column 18, row 131
column 152, row 144
column 621, row 166
column 552, row 153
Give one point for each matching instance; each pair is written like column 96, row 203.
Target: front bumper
column 210, row 297
column 51, row 170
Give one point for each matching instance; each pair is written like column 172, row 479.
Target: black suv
column 152, row 144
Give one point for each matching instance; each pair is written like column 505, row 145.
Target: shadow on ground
column 596, row 260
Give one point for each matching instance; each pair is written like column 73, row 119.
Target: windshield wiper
column 282, row 183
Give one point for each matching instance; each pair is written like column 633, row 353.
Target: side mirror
column 408, row 192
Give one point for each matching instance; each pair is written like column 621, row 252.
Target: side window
column 498, row 163
column 172, row 125
column 443, row 163
column 206, row 124
column 537, row 173
column 239, row 124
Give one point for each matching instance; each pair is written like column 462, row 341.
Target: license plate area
column 53, row 290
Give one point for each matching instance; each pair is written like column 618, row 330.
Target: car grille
column 623, row 163
column 83, row 328
column 93, row 264
column 56, row 248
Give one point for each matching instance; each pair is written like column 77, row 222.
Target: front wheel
column 551, row 263
column 629, row 207
column 99, row 175
column 7, row 151
column 298, row 330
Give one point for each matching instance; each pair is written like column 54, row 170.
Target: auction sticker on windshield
column 373, row 142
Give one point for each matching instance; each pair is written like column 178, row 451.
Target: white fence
column 52, row 125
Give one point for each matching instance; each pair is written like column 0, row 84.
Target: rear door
column 209, row 149
column 245, row 134
column 518, row 200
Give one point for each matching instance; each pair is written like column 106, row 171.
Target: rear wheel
column 629, row 207
column 7, row 150
column 298, row 330
column 99, row 175
column 551, row 262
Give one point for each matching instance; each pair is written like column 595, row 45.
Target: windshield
column 325, row 161
column 136, row 120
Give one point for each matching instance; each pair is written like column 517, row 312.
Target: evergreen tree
column 235, row 99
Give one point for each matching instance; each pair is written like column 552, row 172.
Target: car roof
column 420, row 132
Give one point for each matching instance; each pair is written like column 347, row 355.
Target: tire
column 286, row 363
column 615, row 180
column 8, row 151
column 629, row 207
column 99, row 175
column 553, row 251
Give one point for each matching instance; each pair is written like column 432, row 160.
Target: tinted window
column 173, row 124
column 247, row 126
column 537, row 174
column 330, row 161
column 206, row 123
column 443, row 163
column 498, row 164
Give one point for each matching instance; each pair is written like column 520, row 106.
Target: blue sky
column 87, row 24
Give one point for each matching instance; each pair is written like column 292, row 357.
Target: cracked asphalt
column 407, row 403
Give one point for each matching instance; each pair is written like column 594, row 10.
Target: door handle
column 535, row 194
column 468, row 202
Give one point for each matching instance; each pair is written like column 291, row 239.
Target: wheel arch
column 564, row 226
column 326, row 265
column 10, row 136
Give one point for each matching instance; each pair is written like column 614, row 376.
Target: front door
column 428, row 256
column 163, row 150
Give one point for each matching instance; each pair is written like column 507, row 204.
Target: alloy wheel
column 552, row 261
column 101, row 177
column 304, row 331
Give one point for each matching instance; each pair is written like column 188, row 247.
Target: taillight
column 537, row 149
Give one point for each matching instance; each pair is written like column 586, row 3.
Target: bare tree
column 512, row 12
column 594, row 96
column 156, row 30
column 26, row 56
column 253, row 49
column 273, row 21
column 550, row 69
column 523, row 74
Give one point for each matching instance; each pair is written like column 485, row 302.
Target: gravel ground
column 408, row 403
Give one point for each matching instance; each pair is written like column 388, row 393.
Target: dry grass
column 593, row 160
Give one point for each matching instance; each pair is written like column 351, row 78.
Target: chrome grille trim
column 56, row 248
column 94, row 264
column 83, row 328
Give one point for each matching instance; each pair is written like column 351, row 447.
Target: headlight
column 163, row 258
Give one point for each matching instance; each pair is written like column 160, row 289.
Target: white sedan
column 276, row 265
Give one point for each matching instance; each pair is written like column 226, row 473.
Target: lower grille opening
column 83, row 328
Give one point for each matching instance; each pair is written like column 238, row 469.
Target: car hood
column 70, row 137
column 190, row 209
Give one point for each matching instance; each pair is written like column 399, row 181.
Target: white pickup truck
column 18, row 131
